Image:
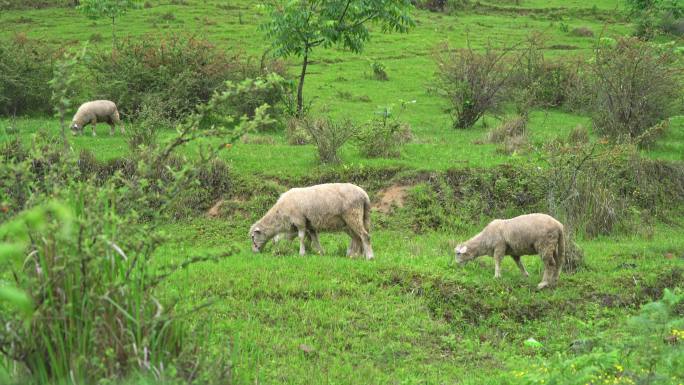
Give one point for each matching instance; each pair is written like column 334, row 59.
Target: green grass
column 410, row 316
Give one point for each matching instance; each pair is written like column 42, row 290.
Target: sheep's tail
column 366, row 214
column 560, row 249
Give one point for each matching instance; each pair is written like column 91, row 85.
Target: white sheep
column 95, row 112
column 523, row 235
column 309, row 210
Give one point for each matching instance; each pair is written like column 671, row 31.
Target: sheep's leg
column 518, row 261
column 112, row 126
column 550, row 267
column 302, row 237
column 354, row 220
column 93, row 124
column 315, row 243
column 498, row 256
column 354, row 247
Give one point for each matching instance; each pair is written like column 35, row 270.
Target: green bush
column 174, row 74
column 636, row 86
column 329, row 136
column 649, row 351
column 384, row 136
column 25, row 70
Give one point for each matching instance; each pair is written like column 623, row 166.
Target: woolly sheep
column 95, row 112
column 309, row 210
column 523, row 235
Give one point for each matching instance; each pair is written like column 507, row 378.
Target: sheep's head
column 259, row 238
column 464, row 254
column 75, row 128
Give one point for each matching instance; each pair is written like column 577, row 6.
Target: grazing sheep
column 524, row 235
column 95, row 112
column 309, row 210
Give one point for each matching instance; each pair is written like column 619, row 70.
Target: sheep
column 307, row 211
column 94, row 112
column 523, row 235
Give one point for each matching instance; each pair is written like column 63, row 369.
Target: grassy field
column 411, row 315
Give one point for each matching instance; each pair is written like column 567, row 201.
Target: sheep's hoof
column 542, row 285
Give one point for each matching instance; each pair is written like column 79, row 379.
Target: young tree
column 110, row 9
column 298, row 26
column 66, row 75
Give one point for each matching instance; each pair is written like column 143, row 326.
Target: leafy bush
column 329, row 136
column 383, row 137
column 648, row 352
column 379, row 71
column 636, row 86
column 25, row 70
column 654, row 17
column 474, row 83
column 540, row 81
column 442, row 5
column 34, row 4
column 182, row 71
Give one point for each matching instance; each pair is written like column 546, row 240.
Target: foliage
column 298, row 27
column 379, row 71
column 25, row 70
column 649, row 353
column 442, row 5
column 329, row 136
column 474, row 83
column 171, row 75
column 635, row 85
column 384, row 136
column 654, row 17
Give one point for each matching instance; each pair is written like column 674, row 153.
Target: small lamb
column 523, row 235
column 309, row 210
column 95, row 112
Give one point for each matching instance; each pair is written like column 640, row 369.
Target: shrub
column 383, row 137
column 379, row 71
column 475, row 83
column 648, row 351
column 657, row 17
column 582, row 32
column 329, row 136
column 635, row 87
column 578, row 135
column 25, row 70
column 296, row 133
column 441, row 5
column 541, row 81
column 182, row 71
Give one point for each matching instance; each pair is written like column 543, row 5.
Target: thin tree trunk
column 300, row 87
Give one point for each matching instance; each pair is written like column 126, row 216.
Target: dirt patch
column 390, row 198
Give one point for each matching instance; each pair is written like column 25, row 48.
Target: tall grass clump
column 88, row 311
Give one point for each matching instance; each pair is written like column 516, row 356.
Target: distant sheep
column 309, row 210
column 524, row 235
column 96, row 112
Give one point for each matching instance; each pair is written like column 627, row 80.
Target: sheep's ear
column 257, row 231
column 461, row 249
